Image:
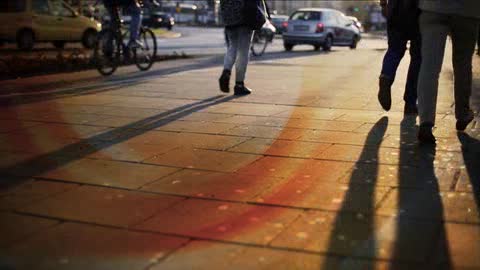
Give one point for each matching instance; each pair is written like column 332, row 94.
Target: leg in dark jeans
column 410, row 96
column 397, row 45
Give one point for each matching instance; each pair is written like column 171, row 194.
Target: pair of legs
column 397, row 46
column 135, row 11
column 238, row 49
column 434, row 28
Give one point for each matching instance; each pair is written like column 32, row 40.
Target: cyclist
column 134, row 9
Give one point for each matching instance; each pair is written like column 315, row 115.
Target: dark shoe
column 241, row 90
column 425, row 134
column 385, row 92
column 410, row 108
column 224, row 81
column 462, row 124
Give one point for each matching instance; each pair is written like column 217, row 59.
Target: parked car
column 28, row 21
column 279, row 22
column 320, row 27
column 357, row 23
column 158, row 19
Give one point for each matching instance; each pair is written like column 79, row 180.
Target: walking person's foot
column 463, row 123
column 385, row 92
column 224, row 81
column 241, row 90
column 410, row 108
column 425, row 134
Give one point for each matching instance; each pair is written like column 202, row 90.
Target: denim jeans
column 136, row 14
column 397, row 45
column 434, row 28
column 238, row 42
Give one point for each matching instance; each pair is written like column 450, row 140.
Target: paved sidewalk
column 164, row 172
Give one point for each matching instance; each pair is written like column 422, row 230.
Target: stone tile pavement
column 163, row 172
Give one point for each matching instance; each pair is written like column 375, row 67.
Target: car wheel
column 327, row 45
column 59, row 44
column 288, row 47
column 25, row 40
column 354, row 43
column 316, row 47
column 89, row 39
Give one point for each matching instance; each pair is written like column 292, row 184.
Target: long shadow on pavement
column 85, row 147
column 471, row 157
column 347, row 226
column 426, row 191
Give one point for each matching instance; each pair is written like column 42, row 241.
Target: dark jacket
column 465, row 8
column 232, row 12
column 403, row 15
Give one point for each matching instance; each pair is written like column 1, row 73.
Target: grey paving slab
column 277, row 147
column 223, row 221
column 76, row 246
column 102, row 206
column 108, row 173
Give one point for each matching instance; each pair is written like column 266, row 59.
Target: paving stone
column 400, row 176
column 133, row 152
column 108, row 173
column 35, row 144
column 200, row 127
column 314, row 193
column 431, row 205
column 221, row 220
column 360, row 116
column 293, row 168
column 266, row 132
column 130, row 112
column 30, row 191
column 76, row 246
column 209, row 117
column 12, row 125
column 359, row 235
column 367, row 154
column 54, row 131
column 238, row 119
column 462, row 242
column 466, row 181
column 338, row 137
column 16, row 227
column 281, row 148
column 204, row 159
column 247, row 109
column 204, row 141
column 311, row 113
column 228, row 186
column 128, row 122
column 102, row 206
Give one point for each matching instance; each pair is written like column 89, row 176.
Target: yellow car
column 28, row 21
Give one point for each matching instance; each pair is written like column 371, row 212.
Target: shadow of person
column 352, row 235
column 418, row 198
column 471, row 157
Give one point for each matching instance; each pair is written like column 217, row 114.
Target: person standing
column 402, row 26
column 238, row 35
column 460, row 19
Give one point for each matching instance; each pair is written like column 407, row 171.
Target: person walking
column 460, row 19
column 238, row 34
column 402, row 26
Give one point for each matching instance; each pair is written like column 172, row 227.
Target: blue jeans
column 135, row 12
column 397, row 45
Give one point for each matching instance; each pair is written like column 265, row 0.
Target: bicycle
column 261, row 39
column 112, row 43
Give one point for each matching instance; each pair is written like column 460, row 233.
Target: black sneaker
column 410, row 108
column 425, row 134
column 462, row 124
column 241, row 90
column 224, row 81
column 385, row 92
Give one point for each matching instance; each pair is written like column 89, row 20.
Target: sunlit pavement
column 163, row 172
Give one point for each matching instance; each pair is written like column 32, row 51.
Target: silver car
column 320, row 27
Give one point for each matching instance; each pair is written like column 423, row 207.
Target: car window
column 41, row 7
column 306, row 16
column 12, row 6
column 60, row 9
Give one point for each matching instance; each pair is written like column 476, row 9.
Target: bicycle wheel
column 144, row 57
column 107, row 52
column 259, row 43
